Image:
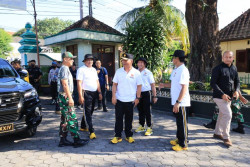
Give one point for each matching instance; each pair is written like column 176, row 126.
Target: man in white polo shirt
column 180, row 99
column 87, row 82
column 144, row 104
column 126, row 92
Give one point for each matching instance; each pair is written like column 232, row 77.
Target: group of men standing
column 132, row 87
column 89, row 86
column 127, row 85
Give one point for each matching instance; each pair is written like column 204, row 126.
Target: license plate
column 6, row 128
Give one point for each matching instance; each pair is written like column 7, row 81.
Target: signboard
column 14, row 4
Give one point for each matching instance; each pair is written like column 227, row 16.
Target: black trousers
column 144, row 109
column 89, row 104
column 103, row 101
column 53, row 90
column 75, row 95
column 36, row 85
column 124, row 109
column 182, row 126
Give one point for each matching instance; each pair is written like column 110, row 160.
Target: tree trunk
column 203, row 26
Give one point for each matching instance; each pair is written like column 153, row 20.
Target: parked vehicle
column 20, row 108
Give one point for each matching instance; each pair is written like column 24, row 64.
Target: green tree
column 51, row 26
column 47, row 27
column 145, row 38
column 5, row 40
column 171, row 18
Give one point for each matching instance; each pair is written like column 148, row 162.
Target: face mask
column 32, row 65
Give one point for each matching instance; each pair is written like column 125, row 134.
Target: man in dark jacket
column 35, row 74
column 226, row 85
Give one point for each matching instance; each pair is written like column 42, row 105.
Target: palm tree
column 172, row 19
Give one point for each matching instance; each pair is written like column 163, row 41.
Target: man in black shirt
column 35, row 74
column 73, row 71
column 226, row 85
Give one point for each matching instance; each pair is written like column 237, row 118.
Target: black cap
column 126, row 56
column 88, row 56
column 142, row 59
column 32, row 61
column 179, row 53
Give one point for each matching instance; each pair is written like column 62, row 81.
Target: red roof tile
column 237, row 29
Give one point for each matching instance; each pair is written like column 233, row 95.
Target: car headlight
column 30, row 93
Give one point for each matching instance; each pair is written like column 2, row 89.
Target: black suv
column 20, row 108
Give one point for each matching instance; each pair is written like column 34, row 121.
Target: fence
column 245, row 79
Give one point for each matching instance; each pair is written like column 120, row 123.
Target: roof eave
column 82, row 29
column 235, row 39
column 58, row 43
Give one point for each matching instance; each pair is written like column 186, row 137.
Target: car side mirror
column 23, row 74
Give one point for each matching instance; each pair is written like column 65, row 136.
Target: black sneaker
column 64, row 142
column 105, row 110
column 210, row 125
column 239, row 130
column 80, row 142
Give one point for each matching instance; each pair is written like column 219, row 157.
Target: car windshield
column 6, row 70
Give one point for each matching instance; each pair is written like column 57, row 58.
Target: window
column 6, row 70
column 243, row 60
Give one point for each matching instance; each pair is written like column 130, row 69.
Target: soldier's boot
column 239, row 129
column 64, row 142
column 210, row 125
column 80, row 142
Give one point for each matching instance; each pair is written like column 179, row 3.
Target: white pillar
column 83, row 49
column 117, row 56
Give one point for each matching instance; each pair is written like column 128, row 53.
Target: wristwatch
column 178, row 101
column 138, row 98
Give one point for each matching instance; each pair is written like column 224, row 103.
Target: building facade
column 90, row 36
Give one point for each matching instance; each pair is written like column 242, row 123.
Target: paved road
column 155, row 150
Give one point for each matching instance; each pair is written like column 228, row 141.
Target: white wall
column 32, row 56
column 45, row 61
column 81, row 34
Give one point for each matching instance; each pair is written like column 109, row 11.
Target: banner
column 14, row 4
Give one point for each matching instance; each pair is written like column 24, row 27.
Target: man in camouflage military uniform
column 68, row 116
column 237, row 115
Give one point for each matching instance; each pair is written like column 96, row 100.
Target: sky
column 106, row 11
